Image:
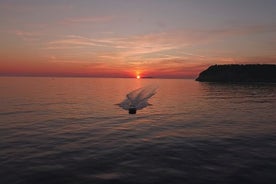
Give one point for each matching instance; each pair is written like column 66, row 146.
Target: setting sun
column 144, row 91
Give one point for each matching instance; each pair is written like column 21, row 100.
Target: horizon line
column 76, row 76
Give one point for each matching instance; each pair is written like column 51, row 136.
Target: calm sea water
column 69, row 130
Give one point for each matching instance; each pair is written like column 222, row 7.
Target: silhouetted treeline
column 239, row 73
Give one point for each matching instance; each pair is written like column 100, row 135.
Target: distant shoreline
column 239, row 73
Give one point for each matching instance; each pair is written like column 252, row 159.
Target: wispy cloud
column 27, row 35
column 173, row 38
column 71, row 41
column 151, row 48
column 126, row 46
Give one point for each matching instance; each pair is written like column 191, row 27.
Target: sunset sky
column 123, row 38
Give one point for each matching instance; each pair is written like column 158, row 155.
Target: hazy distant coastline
column 239, row 73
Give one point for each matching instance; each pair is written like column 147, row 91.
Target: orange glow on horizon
column 91, row 40
column 44, row 68
column 138, row 76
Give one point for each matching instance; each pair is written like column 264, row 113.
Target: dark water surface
column 69, row 130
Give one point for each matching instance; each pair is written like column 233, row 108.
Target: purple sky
column 120, row 38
